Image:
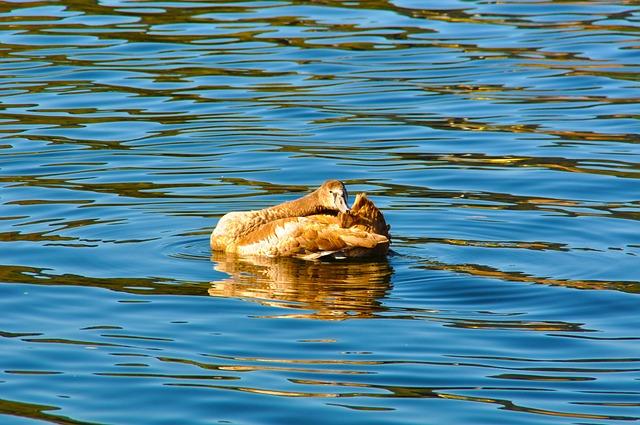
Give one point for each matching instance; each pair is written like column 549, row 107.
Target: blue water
column 500, row 139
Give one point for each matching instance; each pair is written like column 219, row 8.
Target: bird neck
column 304, row 206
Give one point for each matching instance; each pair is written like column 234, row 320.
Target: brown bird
column 318, row 225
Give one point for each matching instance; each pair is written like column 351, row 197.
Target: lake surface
column 501, row 140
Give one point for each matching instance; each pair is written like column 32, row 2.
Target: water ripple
column 499, row 139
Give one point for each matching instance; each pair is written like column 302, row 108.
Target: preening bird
column 317, row 225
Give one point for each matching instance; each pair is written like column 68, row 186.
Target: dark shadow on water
column 330, row 290
column 36, row 412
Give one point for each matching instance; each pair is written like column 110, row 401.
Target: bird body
column 318, row 225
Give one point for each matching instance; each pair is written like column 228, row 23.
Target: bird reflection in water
column 330, row 290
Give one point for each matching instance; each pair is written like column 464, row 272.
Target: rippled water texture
column 501, row 140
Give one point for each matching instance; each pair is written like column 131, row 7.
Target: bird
column 317, row 226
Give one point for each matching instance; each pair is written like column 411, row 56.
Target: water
column 499, row 138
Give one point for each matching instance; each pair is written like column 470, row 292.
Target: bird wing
column 365, row 215
column 309, row 238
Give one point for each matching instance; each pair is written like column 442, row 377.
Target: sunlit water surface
column 501, row 140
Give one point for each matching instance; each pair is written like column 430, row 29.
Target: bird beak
column 341, row 202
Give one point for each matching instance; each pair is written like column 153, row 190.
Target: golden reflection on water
column 516, row 276
column 335, row 290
